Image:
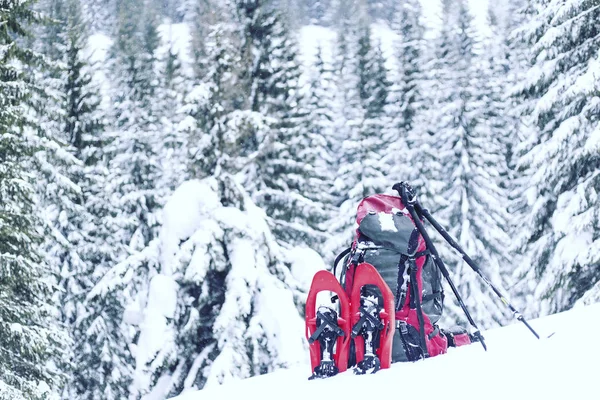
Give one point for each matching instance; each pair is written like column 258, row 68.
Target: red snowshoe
column 373, row 319
column 328, row 334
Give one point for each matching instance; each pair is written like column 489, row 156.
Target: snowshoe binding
column 369, row 326
column 327, row 333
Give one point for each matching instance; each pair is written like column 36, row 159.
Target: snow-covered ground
column 516, row 366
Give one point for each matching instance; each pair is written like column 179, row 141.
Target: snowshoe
column 373, row 319
column 327, row 332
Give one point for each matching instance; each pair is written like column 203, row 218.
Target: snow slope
column 516, row 366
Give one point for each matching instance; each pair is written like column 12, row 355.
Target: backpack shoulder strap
column 340, row 257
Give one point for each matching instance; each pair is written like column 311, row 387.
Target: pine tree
column 208, row 315
column 211, row 105
column 405, row 135
column 364, row 89
column 170, row 96
column 373, row 91
column 278, row 177
column 100, row 14
column 135, row 142
column 203, row 15
column 470, row 203
column 30, row 339
column 79, row 244
column 560, row 225
column 321, row 121
column 127, row 207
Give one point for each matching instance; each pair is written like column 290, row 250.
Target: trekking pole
column 409, row 204
column 469, row 261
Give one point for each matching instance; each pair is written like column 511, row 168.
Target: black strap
column 378, row 325
column 340, row 256
column 431, row 296
column 325, row 322
column 422, row 253
column 412, row 352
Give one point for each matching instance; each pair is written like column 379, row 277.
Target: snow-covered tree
column 30, row 340
column 211, row 101
column 363, row 88
column 134, row 142
column 278, row 176
column 466, row 146
column 170, row 96
column 79, row 245
column 100, row 14
column 126, row 207
column 320, row 123
column 560, row 229
column 404, row 137
column 206, row 316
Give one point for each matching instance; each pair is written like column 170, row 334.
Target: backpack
column 388, row 239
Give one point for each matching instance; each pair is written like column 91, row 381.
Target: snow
column 98, row 47
column 156, row 333
column 312, row 38
column 97, row 50
column 516, row 366
column 177, row 37
column 305, row 263
column 386, row 221
column 184, row 213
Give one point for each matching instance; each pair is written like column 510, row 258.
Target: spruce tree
column 129, row 205
column 364, row 89
column 404, row 136
column 212, row 102
column 560, row 224
column 373, row 91
column 469, row 201
column 279, row 177
column 79, row 243
column 101, row 15
column 170, row 96
column 208, row 315
column 321, row 121
column 30, row 340
column 134, row 143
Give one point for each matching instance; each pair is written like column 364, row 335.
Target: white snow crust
column 387, row 222
column 516, row 366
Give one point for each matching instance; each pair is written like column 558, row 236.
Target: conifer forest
column 173, row 172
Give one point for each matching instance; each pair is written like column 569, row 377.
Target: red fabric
column 462, row 339
column 378, row 203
